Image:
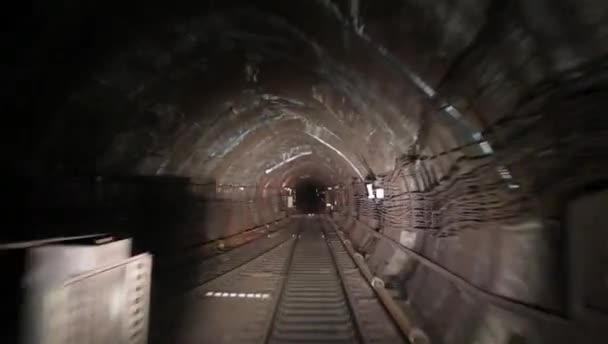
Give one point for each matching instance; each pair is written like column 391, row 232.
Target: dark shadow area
column 12, row 267
column 310, row 196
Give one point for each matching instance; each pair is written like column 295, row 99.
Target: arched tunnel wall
column 482, row 120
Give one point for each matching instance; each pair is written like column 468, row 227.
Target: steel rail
column 406, row 324
column 281, row 289
column 349, row 296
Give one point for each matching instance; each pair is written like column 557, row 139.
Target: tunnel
column 459, row 149
column 309, row 197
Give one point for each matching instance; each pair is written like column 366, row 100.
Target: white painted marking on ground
column 237, row 295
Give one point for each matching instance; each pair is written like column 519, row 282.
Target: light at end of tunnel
column 380, row 193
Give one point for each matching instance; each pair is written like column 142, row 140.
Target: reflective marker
column 238, row 295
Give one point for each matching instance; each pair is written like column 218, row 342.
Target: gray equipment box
column 86, row 291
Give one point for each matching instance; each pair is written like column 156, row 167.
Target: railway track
column 307, row 289
column 313, row 306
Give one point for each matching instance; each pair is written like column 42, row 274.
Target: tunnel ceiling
column 238, row 92
column 233, row 94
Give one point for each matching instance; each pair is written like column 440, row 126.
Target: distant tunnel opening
column 309, row 196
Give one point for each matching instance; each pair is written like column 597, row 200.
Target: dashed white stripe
column 263, row 296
